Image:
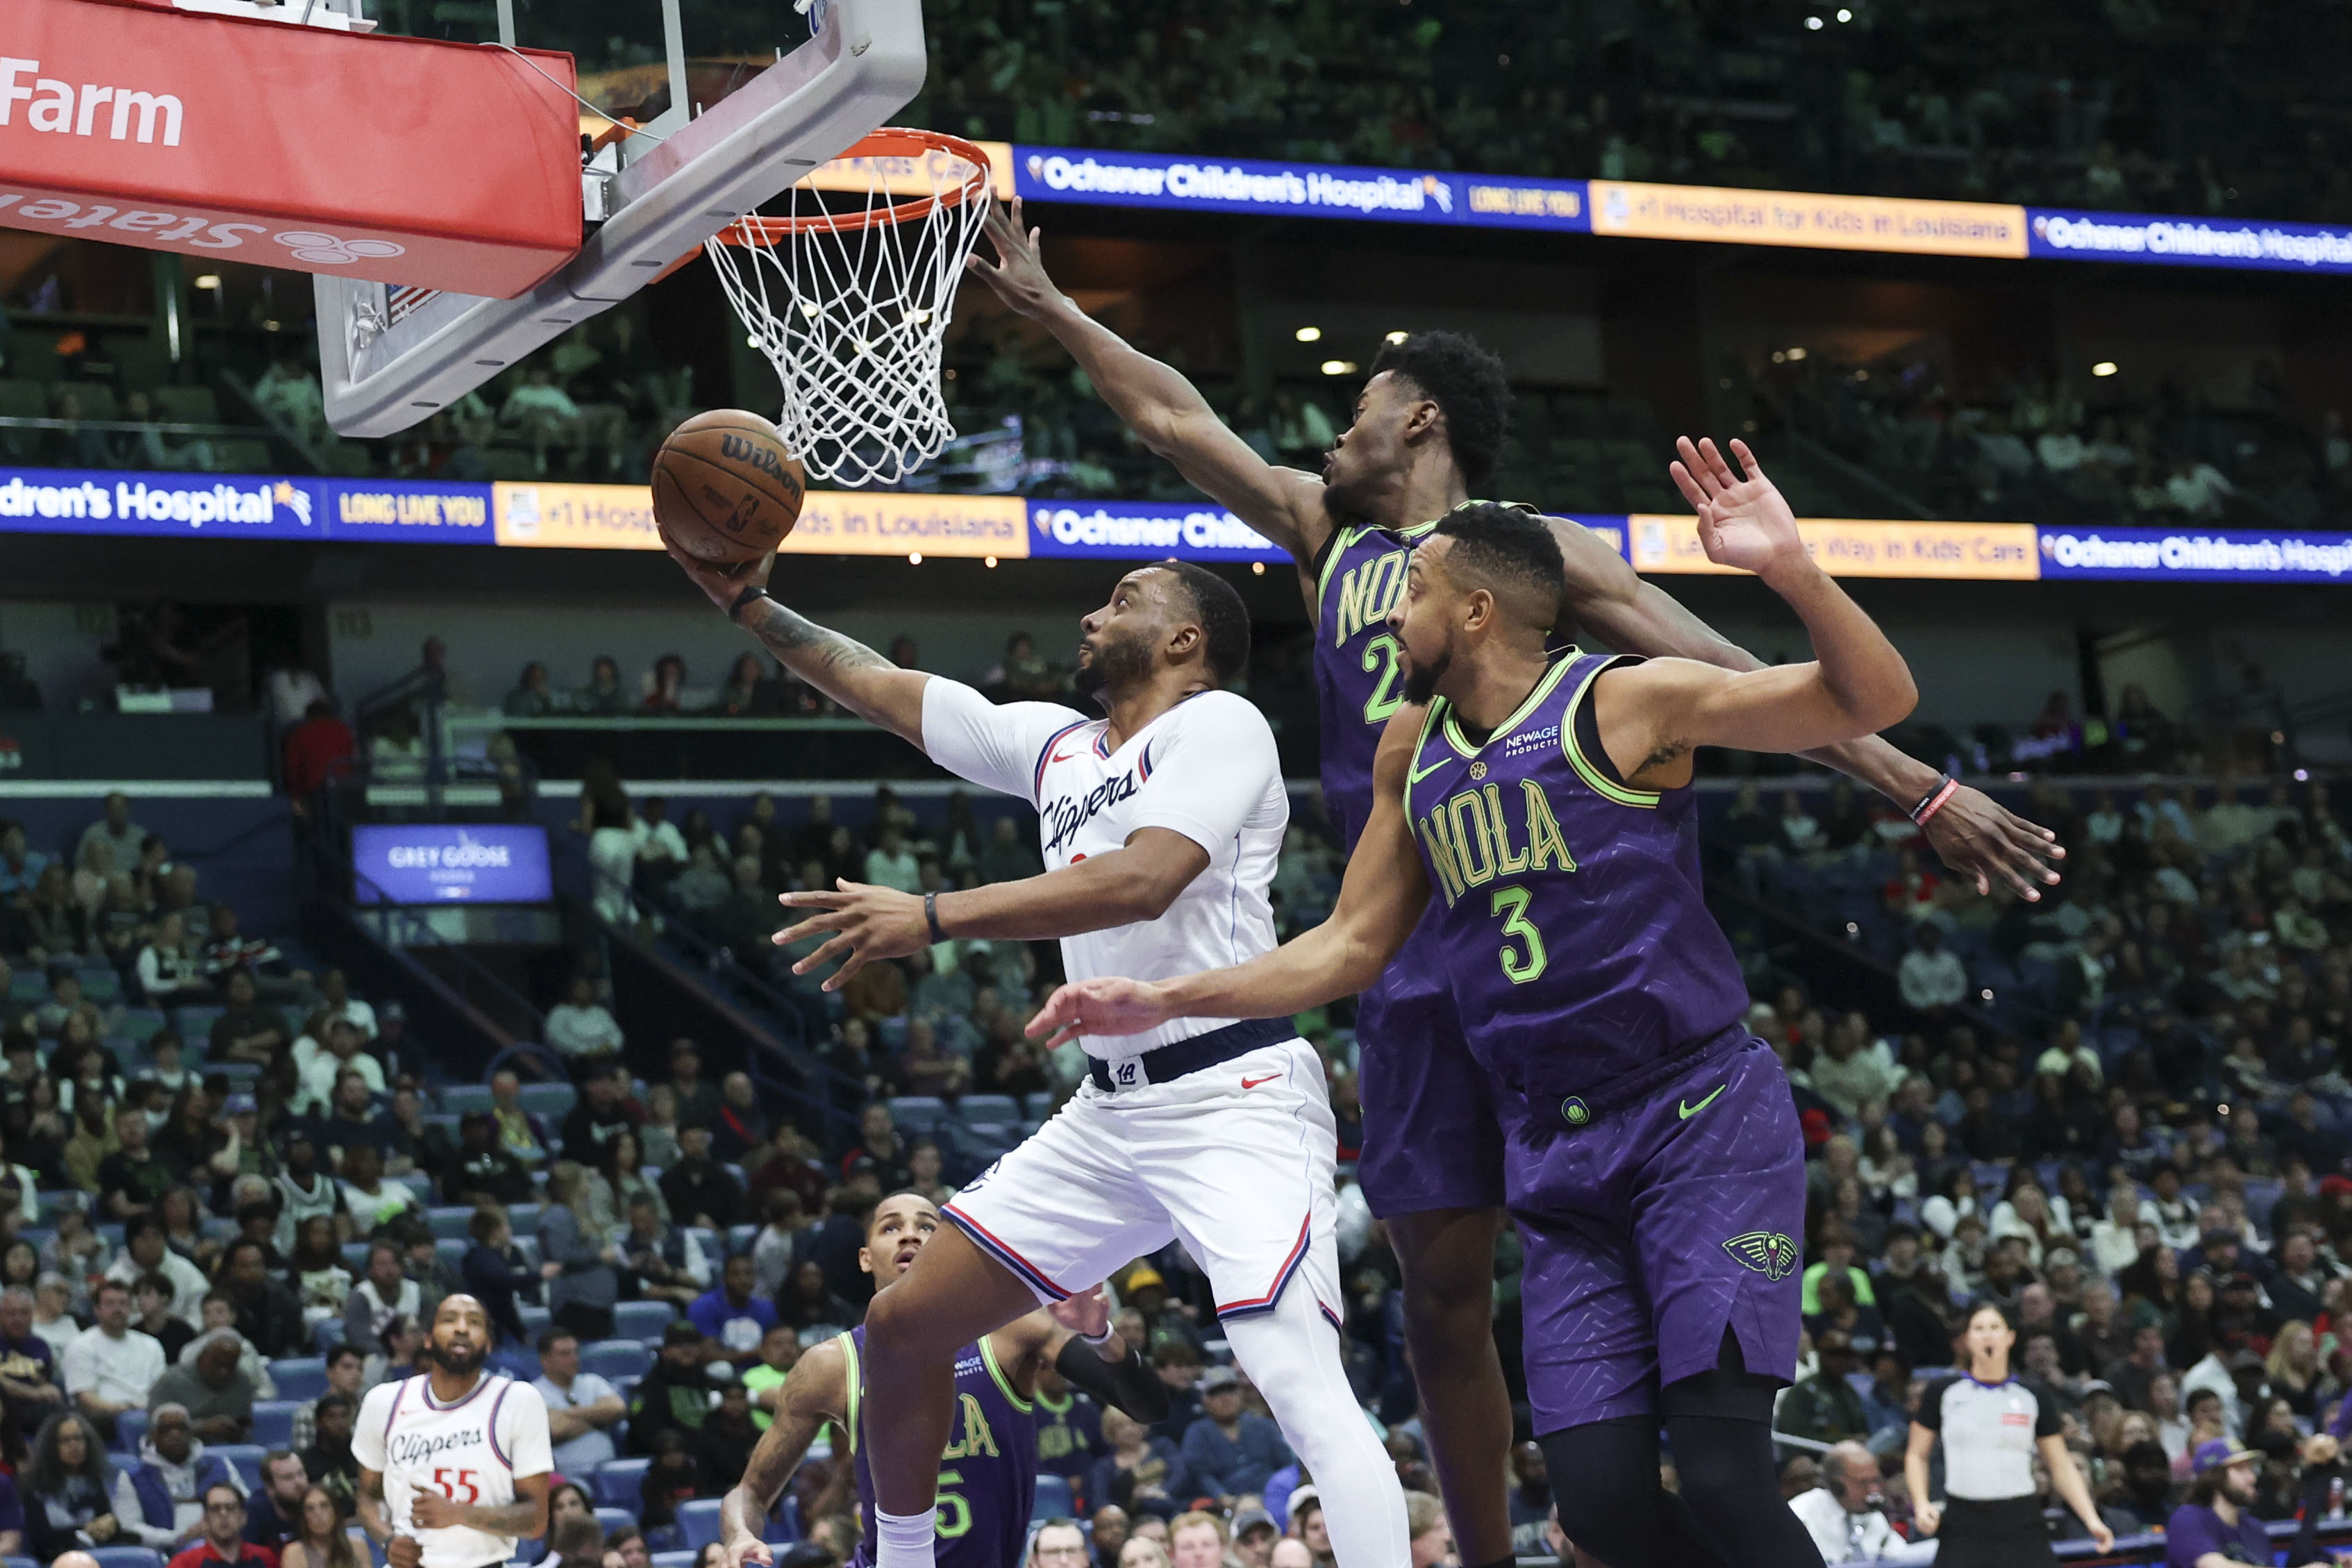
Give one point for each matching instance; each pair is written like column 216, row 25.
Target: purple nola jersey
column 988, row 1475
column 1566, row 907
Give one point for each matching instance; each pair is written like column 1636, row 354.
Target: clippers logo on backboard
column 60, row 109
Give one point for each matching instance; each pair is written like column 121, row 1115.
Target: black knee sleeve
column 1720, row 1424
column 1605, row 1477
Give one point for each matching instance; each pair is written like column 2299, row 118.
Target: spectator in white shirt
column 1843, row 1514
column 335, row 999
column 53, row 1318
column 1853, row 1069
column 1930, row 977
column 168, row 977
column 110, row 1368
column 321, row 1068
column 1801, row 831
column 2198, row 490
column 890, row 864
column 578, row 1026
column 659, row 840
column 116, row 830
column 580, row 1405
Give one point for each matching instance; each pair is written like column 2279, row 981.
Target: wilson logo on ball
column 743, row 449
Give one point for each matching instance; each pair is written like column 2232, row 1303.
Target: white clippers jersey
column 1206, row 769
column 470, row 1452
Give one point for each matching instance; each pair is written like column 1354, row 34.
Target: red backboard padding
column 403, row 160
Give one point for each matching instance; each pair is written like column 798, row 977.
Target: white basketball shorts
column 1235, row 1160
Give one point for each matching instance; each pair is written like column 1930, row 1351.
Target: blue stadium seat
column 464, row 1097
column 1054, row 1500
column 616, row 1358
column 245, row 1457
column 451, row 1252
column 917, row 1113
column 450, row 1224
column 35, row 1562
column 127, row 1557
column 617, row 1481
column 739, row 1239
column 534, row 1319
column 327, row 1335
column 989, row 1108
column 196, row 1023
column 300, row 1377
column 697, row 1522
column 553, row 1100
column 643, row 1319
column 273, row 1422
column 128, row 1428
column 100, row 985
column 610, row 1519
column 783, row 1527
column 659, row 1560
column 523, row 1219
column 521, row 1362
column 28, row 986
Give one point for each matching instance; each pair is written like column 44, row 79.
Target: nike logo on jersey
column 1689, row 1111
column 1414, row 775
column 1254, row 1082
column 1061, row 756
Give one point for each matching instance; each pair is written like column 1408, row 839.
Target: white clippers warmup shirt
column 470, row 1452
column 1206, row 768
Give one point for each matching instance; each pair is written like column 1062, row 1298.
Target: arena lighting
column 1339, row 367
column 2105, row 367
column 1845, row 15
column 1398, row 337
column 913, row 558
column 1796, row 354
column 2302, row 775
column 1257, row 568
column 1309, row 334
column 1813, row 24
column 989, row 561
column 209, row 281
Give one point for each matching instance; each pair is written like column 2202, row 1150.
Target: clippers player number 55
column 454, row 1463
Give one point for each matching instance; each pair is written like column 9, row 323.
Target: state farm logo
column 328, row 251
column 61, row 108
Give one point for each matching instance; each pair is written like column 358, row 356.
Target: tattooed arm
column 816, row 1393
column 842, row 668
column 526, row 1516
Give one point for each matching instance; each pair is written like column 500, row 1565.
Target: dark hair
column 1225, row 619
column 485, row 1224
column 1469, row 387
column 341, row 1401
column 340, row 1352
column 159, row 1284
column 1502, row 541
column 46, row 1473
column 554, row 1337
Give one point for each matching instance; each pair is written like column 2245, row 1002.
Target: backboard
column 733, row 122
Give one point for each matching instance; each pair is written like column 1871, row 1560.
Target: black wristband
column 1930, row 798
column 931, row 914
column 735, row 610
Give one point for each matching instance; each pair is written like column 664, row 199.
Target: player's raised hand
column 1743, row 518
column 749, row 1550
column 1978, row 837
column 1018, row 273
column 1109, row 1006
column 1087, row 1313
column 869, row 922
column 724, row 584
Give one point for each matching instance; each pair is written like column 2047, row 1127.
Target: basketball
column 725, row 489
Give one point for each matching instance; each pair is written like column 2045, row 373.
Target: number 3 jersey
column 470, row 1450
column 1568, row 907
column 988, row 1475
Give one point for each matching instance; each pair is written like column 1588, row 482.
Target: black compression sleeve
column 1127, row 1383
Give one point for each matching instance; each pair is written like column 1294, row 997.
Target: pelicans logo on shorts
column 1768, row 1252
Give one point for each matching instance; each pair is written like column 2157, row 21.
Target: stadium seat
column 450, row 1224
column 196, row 1023
column 245, row 1457
column 534, row 1319
column 1054, row 1500
column 989, row 1108
column 520, row 1362
column 35, row 1562
column 100, row 985
column 273, row 1422
column 783, row 1527
column 128, row 1428
column 523, row 1219
column 553, row 1100
column 617, row 1481
column 464, row 1097
column 739, row 1239
column 300, row 1377
column 659, row 1560
column 643, row 1319
column 616, row 1358
column 127, row 1557
column 610, row 1519
column 355, row 1257
column 697, row 1522
column 451, row 1252
column 917, row 1113
column 327, row 1335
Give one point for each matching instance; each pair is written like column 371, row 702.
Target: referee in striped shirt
column 1991, row 1422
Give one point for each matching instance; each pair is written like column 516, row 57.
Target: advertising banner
column 440, row 863
column 832, row 523
column 406, row 511
column 1103, row 178
column 1141, row 530
column 1820, row 222
column 2198, row 555
column 217, row 506
column 2188, row 241
column 306, row 148
column 1970, row 551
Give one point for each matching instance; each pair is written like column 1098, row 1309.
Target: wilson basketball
column 724, row 487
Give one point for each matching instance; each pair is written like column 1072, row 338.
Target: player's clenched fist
column 742, row 1552
column 404, row 1550
column 431, row 1511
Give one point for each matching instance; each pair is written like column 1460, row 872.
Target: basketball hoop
column 849, row 299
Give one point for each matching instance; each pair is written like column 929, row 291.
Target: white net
column 848, row 293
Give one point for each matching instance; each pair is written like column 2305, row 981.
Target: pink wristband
column 1935, row 802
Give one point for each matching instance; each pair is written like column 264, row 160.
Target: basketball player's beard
column 1421, row 681
column 460, row 1363
column 1118, row 664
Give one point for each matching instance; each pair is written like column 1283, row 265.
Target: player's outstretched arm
column 1974, row 834
column 1654, row 715
column 844, row 668
column 1381, row 900
column 817, row 1391
column 1166, row 412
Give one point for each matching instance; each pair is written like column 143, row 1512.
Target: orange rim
column 890, row 142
